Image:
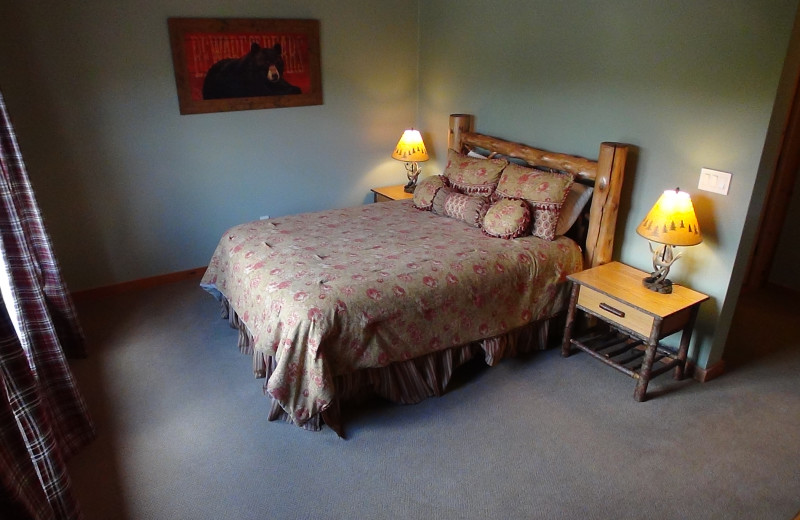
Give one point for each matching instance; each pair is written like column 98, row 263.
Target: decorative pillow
column 545, row 218
column 471, row 175
column 466, row 208
column 520, row 182
column 450, row 203
column 426, row 190
column 440, row 198
column 507, row 218
column 491, row 155
column 577, row 197
column 545, row 191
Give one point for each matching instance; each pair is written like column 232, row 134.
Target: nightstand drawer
column 615, row 311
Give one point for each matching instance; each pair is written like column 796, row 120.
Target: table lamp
column 411, row 149
column 672, row 222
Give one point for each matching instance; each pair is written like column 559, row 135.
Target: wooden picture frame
column 226, row 64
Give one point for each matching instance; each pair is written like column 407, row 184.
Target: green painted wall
column 690, row 84
column 130, row 189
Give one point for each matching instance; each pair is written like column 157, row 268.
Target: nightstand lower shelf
column 624, row 353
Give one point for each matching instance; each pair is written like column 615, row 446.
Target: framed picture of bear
column 226, row 64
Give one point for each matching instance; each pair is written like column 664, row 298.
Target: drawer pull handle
column 608, row 308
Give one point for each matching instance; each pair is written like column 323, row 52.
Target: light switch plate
column 714, row 181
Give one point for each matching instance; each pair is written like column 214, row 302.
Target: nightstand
column 631, row 320
column 390, row 193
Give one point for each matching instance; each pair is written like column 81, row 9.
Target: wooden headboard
column 606, row 174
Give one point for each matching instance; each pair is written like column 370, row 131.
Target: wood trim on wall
column 776, row 205
column 707, row 374
column 99, row 293
column 783, row 178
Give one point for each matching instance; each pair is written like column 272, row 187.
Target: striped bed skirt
column 404, row 382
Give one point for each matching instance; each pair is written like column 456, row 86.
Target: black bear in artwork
column 257, row 73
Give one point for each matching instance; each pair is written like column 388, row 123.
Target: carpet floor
column 183, row 433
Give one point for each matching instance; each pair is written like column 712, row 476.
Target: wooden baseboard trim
column 99, row 293
column 707, row 374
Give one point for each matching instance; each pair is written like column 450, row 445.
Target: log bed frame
column 606, row 174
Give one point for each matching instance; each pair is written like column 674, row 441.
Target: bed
column 390, row 298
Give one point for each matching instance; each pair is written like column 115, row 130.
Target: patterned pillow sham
column 545, row 219
column 507, row 218
column 545, row 191
column 426, row 190
column 451, row 203
column 520, row 182
column 473, row 176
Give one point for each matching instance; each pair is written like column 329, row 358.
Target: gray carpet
column 183, row 434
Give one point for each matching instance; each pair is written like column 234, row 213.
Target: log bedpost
column 459, row 125
column 605, row 204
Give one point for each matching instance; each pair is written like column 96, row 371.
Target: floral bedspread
column 332, row 292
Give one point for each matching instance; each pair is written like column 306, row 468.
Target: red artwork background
column 205, row 49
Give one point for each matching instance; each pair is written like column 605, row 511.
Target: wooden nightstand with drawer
column 390, row 193
column 637, row 319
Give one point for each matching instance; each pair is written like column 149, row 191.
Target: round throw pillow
column 426, row 191
column 507, row 218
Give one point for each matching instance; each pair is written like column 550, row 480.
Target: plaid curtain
column 43, row 418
